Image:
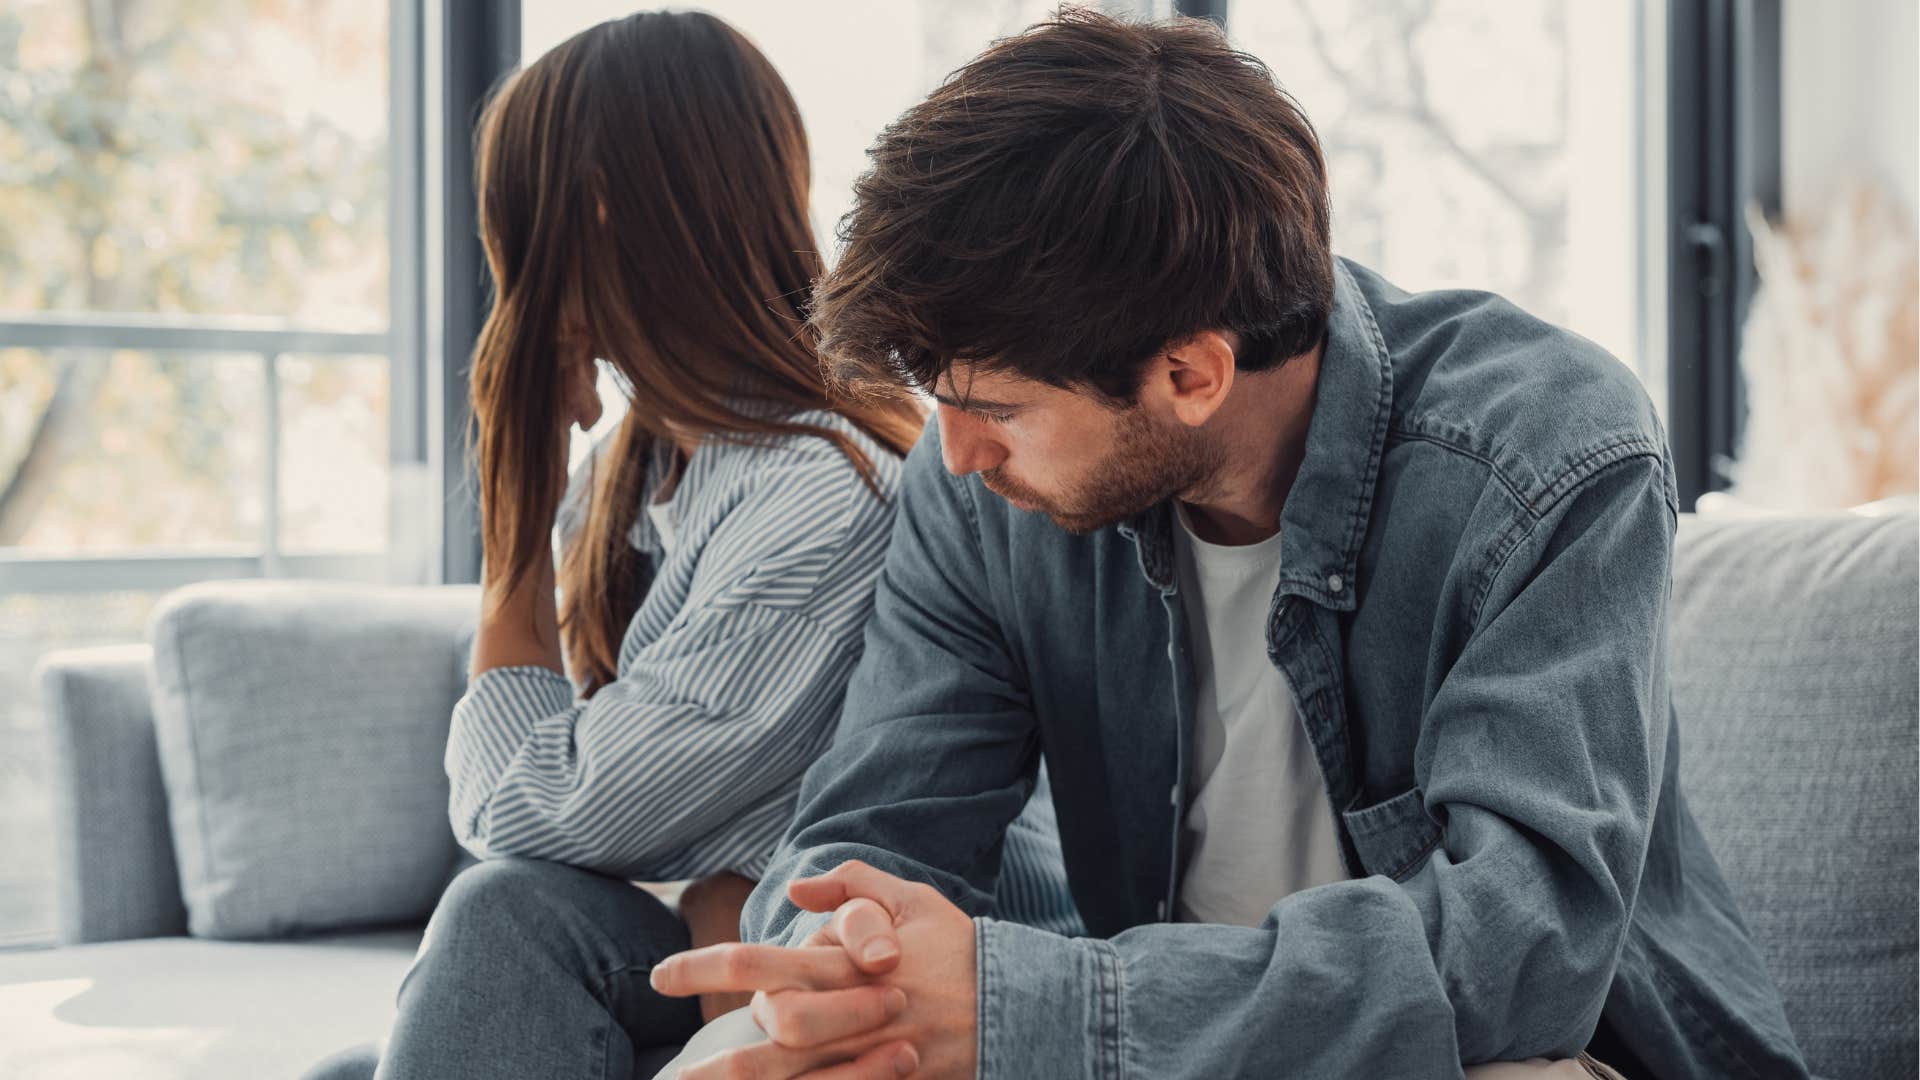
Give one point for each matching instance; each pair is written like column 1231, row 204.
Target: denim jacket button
column 1336, row 583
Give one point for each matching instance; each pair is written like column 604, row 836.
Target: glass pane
column 1476, row 144
column 104, row 451
column 333, row 453
column 195, row 156
column 901, row 48
column 31, row 626
column 613, row 408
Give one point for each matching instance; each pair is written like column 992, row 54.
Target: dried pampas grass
column 1831, row 358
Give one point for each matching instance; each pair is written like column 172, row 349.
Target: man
column 1337, row 614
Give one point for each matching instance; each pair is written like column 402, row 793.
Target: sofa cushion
column 1794, row 644
column 114, row 870
column 167, row 1008
column 301, row 730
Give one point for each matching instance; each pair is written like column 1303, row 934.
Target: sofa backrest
column 1796, row 689
column 301, row 729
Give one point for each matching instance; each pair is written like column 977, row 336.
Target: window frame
column 269, row 341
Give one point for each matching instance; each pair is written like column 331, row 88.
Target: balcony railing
column 155, row 570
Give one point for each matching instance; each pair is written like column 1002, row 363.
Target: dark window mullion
column 1723, row 148
column 474, row 43
column 1203, row 9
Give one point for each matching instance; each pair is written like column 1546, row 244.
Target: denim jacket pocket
column 1393, row 837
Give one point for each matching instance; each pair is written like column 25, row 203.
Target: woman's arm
column 519, row 621
column 519, row 627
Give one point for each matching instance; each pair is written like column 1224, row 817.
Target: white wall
column 1849, row 96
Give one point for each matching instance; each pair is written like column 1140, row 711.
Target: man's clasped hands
column 886, row 988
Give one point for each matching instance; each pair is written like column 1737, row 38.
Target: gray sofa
column 1794, row 665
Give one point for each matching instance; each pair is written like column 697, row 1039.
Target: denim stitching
column 1585, row 468
column 1493, row 467
column 1106, row 974
column 982, row 960
column 1698, row 1022
column 1498, row 556
column 1383, row 404
column 1419, row 857
column 1323, row 689
column 1569, row 488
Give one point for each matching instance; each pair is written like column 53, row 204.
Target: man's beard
column 1149, row 464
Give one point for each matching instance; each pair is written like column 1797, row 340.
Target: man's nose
column 966, row 446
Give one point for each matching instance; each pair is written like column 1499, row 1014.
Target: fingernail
column 896, row 1002
column 905, row 1061
column 877, row 951
column 658, row 977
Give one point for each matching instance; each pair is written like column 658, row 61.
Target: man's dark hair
column 1077, row 199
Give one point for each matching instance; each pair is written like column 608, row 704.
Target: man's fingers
column 866, row 931
column 738, row 968
column 801, row 1018
column 771, row 1061
column 848, row 880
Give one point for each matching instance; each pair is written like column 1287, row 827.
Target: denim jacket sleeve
column 1536, row 757
column 937, row 750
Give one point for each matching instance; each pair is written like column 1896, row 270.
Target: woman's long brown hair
column 651, row 174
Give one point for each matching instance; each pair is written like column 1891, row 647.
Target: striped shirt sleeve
column 685, row 766
column 690, row 761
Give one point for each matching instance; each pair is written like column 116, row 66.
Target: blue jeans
column 534, row 969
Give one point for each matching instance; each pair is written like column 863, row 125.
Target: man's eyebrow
column 974, row 404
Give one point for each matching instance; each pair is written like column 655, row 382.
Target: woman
column 643, row 198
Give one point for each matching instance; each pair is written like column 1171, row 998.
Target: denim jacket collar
column 1325, row 516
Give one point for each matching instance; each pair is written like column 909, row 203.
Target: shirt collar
column 1325, row 516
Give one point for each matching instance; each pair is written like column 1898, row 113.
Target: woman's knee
column 501, row 915
column 500, row 895
column 500, row 910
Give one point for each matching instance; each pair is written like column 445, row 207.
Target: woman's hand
column 519, row 623
column 711, row 909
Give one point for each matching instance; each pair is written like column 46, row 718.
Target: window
column 196, row 371
column 1480, row 144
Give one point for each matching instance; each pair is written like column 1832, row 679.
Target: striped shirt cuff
column 490, row 724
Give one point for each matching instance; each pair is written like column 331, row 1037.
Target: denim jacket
column 1472, row 619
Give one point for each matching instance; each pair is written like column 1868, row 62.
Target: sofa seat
column 176, row 1007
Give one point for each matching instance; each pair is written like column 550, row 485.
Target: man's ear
column 1192, row 379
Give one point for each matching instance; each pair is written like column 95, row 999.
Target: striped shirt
column 730, row 680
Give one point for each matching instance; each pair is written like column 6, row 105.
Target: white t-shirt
column 1258, row 825
column 665, row 525
column 663, row 514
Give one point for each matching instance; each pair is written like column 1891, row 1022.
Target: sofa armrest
column 114, row 868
